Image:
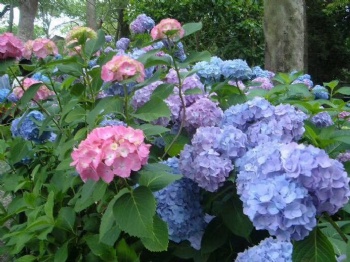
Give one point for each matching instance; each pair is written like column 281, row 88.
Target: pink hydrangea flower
column 165, row 27
column 10, row 46
column 28, row 49
column 261, row 82
column 122, row 67
column 43, row 47
column 110, row 151
column 42, row 93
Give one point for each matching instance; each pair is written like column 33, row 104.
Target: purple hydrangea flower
column 142, row 24
column 236, row 69
column 261, row 82
column 108, row 49
column 123, row 43
column 344, row 157
column 28, row 127
column 268, row 250
column 143, row 95
column 180, row 52
column 322, row 119
column 108, row 38
column 203, row 112
column 179, row 206
column 110, row 120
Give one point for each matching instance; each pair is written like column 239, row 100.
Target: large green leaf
column 108, row 224
column 73, row 69
column 315, row 247
column 93, row 45
column 134, row 212
column 158, row 241
column 105, row 252
column 126, row 253
column 66, row 218
column 345, row 90
column 30, row 93
column 62, row 253
column 191, row 28
column 152, row 110
column 152, row 130
column 156, row 176
column 19, row 150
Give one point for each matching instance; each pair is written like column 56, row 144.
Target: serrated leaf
column 163, row 91
column 156, row 176
column 315, row 247
column 158, row 240
column 101, row 250
column 19, row 150
column 152, row 110
column 78, row 113
column 48, row 207
column 345, row 90
column 134, row 212
column 107, row 221
column 195, row 57
column 175, row 148
column 86, row 198
column 126, row 253
column 153, row 130
column 30, row 93
column 191, row 28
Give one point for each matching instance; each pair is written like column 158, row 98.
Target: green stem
column 177, row 70
column 336, row 227
column 57, row 96
column 126, row 102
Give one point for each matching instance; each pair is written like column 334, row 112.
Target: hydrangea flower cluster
column 261, row 82
column 10, row 46
column 268, row 250
column 4, row 94
column 259, row 72
column 168, row 28
column 210, row 71
column 203, row 112
column 110, row 151
column 142, row 24
column 143, row 95
column 322, row 119
column 344, row 157
column 110, row 120
column 28, row 127
column 123, row 43
column 43, row 92
column 122, row 67
column 263, row 122
column 290, row 181
column 236, row 69
column 208, row 160
column 320, row 92
column 179, row 205
column 303, row 79
column 108, row 38
column 76, row 35
column 40, row 47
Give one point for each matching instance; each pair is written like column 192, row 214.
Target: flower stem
column 126, row 102
column 336, row 227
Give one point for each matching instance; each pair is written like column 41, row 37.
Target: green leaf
column 315, row 247
column 78, row 113
column 345, row 90
column 93, row 45
column 101, row 250
column 30, row 93
column 86, row 198
column 152, row 110
column 215, row 236
column 62, row 253
column 73, row 69
column 19, row 150
column 26, row 258
column 195, row 57
column 235, row 220
column 157, row 60
column 159, row 239
column 156, row 176
column 48, row 207
column 331, row 84
column 134, row 212
column 126, row 253
column 175, row 148
column 163, row 91
column 5, row 64
column 66, row 218
column 153, row 130
column 191, row 28
column 77, row 89
column 107, row 223
column 194, row 91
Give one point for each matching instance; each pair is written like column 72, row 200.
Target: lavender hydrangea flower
column 261, row 82
column 27, row 127
column 108, row 38
column 142, row 24
column 322, row 119
column 4, row 94
column 179, row 205
column 236, row 69
column 143, row 95
column 110, row 120
column 203, row 112
column 320, row 92
column 180, row 52
column 268, row 250
column 344, row 157
column 123, row 43
column 136, row 53
column 108, row 49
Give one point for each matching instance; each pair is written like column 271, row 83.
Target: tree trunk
column 123, row 27
column 91, row 14
column 285, row 35
column 27, row 13
column 11, row 19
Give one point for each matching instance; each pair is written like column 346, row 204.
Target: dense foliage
column 141, row 150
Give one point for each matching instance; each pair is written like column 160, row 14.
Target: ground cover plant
column 146, row 151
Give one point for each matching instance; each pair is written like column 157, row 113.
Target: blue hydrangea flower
column 268, row 250
column 110, row 120
column 92, row 63
column 4, row 94
column 180, row 52
column 236, row 69
column 108, row 49
column 257, row 71
column 117, row 89
column 179, row 206
column 108, row 38
column 322, row 119
column 210, row 71
column 28, row 127
column 344, row 157
column 320, row 92
column 5, row 82
column 123, row 43
column 136, row 53
column 40, row 77
column 142, row 24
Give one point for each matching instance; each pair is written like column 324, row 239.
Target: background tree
column 91, row 14
column 27, row 12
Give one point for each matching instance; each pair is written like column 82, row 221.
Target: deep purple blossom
column 123, row 43
column 322, row 119
column 142, row 24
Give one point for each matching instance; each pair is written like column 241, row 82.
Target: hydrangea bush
column 131, row 150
